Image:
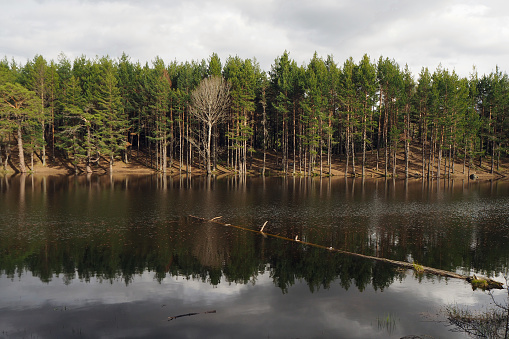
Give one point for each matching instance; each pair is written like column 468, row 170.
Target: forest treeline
column 89, row 109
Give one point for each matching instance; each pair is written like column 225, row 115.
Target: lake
column 116, row 256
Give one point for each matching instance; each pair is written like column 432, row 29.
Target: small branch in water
column 189, row 314
column 215, row 218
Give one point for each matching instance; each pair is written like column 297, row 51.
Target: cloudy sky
column 457, row 34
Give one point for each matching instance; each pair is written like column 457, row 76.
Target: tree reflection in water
column 111, row 229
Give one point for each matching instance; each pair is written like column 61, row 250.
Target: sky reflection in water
column 140, row 309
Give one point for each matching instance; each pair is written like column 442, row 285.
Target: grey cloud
column 455, row 32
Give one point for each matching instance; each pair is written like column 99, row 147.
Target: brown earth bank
column 140, row 164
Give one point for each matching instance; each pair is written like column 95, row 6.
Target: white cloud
column 456, row 33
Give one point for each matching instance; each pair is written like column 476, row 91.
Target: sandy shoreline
column 59, row 167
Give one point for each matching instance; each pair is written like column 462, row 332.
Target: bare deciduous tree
column 209, row 104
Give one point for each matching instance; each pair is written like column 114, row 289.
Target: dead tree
column 209, row 105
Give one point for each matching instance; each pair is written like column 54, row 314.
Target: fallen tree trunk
column 404, row 264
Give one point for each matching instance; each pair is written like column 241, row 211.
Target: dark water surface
column 114, row 257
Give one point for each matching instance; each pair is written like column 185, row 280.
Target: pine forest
column 173, row 117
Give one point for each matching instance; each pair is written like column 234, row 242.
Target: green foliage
column 214, row 67
column 419, row 269
column 20, row 115
column 7, row 73
column 91, row 108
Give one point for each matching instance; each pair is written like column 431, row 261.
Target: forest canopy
column 83, row 110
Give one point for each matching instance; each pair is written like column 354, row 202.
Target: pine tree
column 242, row 79
column 407, row 92
column 422, row 101
column 332, row 105
column 365, row 84
column 132, row 100
column 317, row 76
column 214, row 66
column 7, row 75
column 281, row 87
column 73, row 134
column 34, row 77
column 19, row 112
column 159, row 89
column 348, row 108
column 108, row 111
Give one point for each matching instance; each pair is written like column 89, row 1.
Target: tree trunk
column 214, row 148
column 431, row 160
column 353, row 156
column 181, row 159
column 111, row 162
column 394, row 159
column 88, row 168
column 321, row 150
column 294, row 139
column 347, row 141
column 7, row 154
column 386, row 149
column 493, row 145
column 347, row 152
column 424, row 136
column 439, row 161
column 329, row 152
column 171, row 138
column 43, row 146
column 379, row 131
column 498, row 160
column 22, row 167
column 452, row 157
column 407, row 142
column 364, row 147
column 164, row 150
column 464, row 157
column 207, row 148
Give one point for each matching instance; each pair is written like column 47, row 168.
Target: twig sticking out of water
column 261, row 230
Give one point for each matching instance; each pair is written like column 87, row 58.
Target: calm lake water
column 114, row 257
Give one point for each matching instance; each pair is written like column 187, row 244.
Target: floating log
column 484, row 283
column 418, row 268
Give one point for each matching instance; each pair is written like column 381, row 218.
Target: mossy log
column 484, row 283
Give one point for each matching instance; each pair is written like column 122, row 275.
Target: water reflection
column 118, row 226
column 122, row 250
